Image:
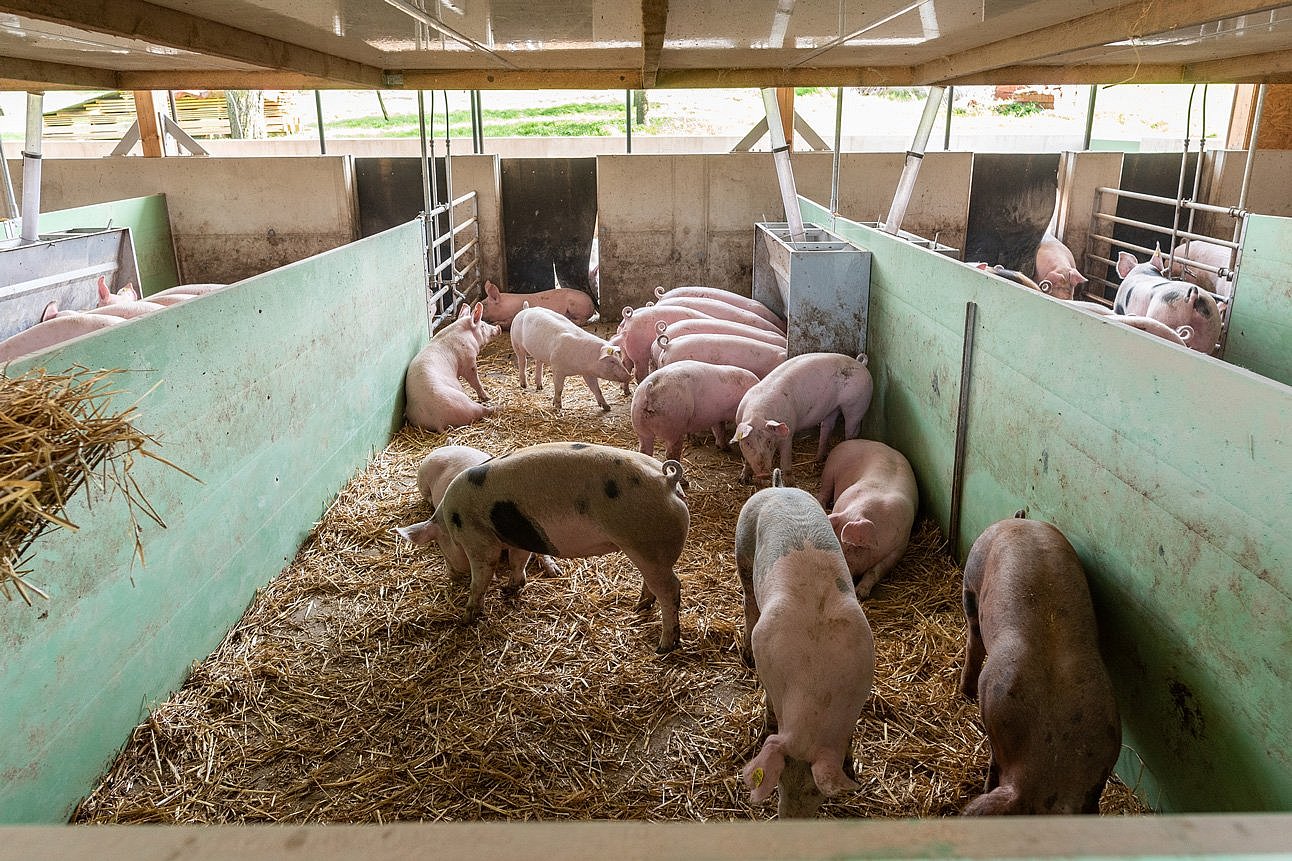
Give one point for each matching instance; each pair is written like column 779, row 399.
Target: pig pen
column 350, row 691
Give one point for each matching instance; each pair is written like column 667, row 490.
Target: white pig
column 552, row 340
column 640, row 327
column 570, row 500
column 742, row 302
column 1145, row 291
column 687, row 397
column 812, row 389
column 575, row 305
column 755, row 356
column 874, row 497
column 721, row 310
column 435, row 400
column 53, row 330
column 810, row 643
column 1056, row 268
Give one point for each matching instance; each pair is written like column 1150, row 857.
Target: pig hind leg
column 799, row 797
column 595, row 388
column 827, row 427
column 662, row 583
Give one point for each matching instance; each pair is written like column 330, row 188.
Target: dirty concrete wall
column 673, row 220
column 231, row 218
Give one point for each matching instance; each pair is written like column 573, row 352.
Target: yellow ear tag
column 758, row 777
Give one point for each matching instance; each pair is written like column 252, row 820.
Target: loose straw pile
column 351, row 692
column 55, row 435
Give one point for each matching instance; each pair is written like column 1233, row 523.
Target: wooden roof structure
column 610, row 44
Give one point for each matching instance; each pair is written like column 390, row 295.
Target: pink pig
column 54, row 328
column 742, row 302
column 721, row 310
column 435, row 400
column 570, row 351
column 500, row 308
column 1146, row 292
column 807, row 390
column 873, row 491
column 1210, row 253
column 687, row 397
column 755, row 356
column 714, row 326
column 810, row 642
column 640, row 327
column 1056, row 268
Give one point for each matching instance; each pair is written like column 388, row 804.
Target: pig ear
column 128, row 293
column 50, row 312
column 1158, row 262
column 105, row 295
column 477, row 312
column 608, row 350
column 1125, row 263
column 1075, row 277
column 779, row 428
column 491, row 290
column 464, row 310
column 860, row 533
column 742, row 430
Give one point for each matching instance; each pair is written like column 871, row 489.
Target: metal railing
column 452, row 256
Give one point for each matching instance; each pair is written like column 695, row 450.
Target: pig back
column 572, row 499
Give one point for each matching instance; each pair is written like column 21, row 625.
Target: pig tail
column 673, row 475
column 776, row 478
column 659, row 291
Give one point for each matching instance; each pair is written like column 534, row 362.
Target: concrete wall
column 672, row 220
column 272, row 399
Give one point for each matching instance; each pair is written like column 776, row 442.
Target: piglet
column 810, row 643
column 575, row 305
column 873, row 491
column 435, row 400
column 552, row 340
column 54, row 328
column 1032, row 661
column 757, row 357
column 687, row 397
column 640, row 327
column 721, row 310
column 570, row 500
column 1146, row 292
column 808, row 390
column 1056, row 268
column 742, row 302
column 437, row 469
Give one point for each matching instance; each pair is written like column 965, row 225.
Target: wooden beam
column 1130, row 20
column 521, row 79
column 17, row 74
column 1110, row 73
column 785, row 103
column 149, row 130
column 159, row 25
column 654, row 25
column 1249, row 68
column 842, row 76
column 1241, row 116
column 189, row 79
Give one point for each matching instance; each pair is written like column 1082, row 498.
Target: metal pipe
column 428, row 203
column 784, row 172
column 628, row 118
column 1202, row 146
column 1179, row 191
column 477, row 123
column 1144, row 225
column 962, row 422
column 448, row 184
column 911, row 170
column 11, row 203
column 834, row 163
column 1232, row 211
column 1090, row 118
column 31, row 167
column 1251, row 147
column 946, row 138
column 318, row 108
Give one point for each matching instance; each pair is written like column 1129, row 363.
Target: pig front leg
column 787, row 460
column 558, row 388
column 472, row 374
column 720, row 437
column 975, row 649
column 799, row 797
column 595, row 386
column 518, row 559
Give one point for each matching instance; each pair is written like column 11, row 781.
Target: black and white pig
column 810, row 643
column 1032, row 661
column 569, row 500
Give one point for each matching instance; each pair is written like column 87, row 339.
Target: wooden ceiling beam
column 1130, row 20
column 1110, row 73
column 18, row 74
column 1267, row 68
column 654, row 25
column 158, row 25
column 519, row 79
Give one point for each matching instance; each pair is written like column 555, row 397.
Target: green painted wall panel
column 1260, row 328
column 1166, row 469
column 149, row 221
column 273, row 393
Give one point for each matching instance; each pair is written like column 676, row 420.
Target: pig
column 54, row 328
column 1145, row 292
column 807, row 390
column 714, row 326
column 435, row 400
column 436, row 470
column 874, row 497
column 1056, row 268
column 687, row 397
column 555, row 341
column 810, row 644
column 640, row 327
column 1144, row 324
column 1046, row 699
column 575, row 305
column 127, row 293
column 1211, row 254
column 742, row 302
column 187, row 290
column 569, row 500
column 125, row 310
column 719, row 309
column 755, row 356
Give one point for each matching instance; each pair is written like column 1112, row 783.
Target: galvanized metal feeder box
column 821, row 285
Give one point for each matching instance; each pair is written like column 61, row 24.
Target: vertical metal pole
column 915, row 155
column 962, row 422
column 318, row 108
column 174, row 115
column 838, row 137
column 448, row 191
column 1179, row 191
column 11, row 202
column 477, row 124
column 628, row 118
column 946, row 139
column 784, row 172
column 1251, row 147
column 1090, row 117
column 31, row 167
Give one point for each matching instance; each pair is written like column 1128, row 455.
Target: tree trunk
column 639, row 101
column 246, row 114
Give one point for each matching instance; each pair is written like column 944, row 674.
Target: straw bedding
column 350, row 692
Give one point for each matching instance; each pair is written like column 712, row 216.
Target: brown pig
column 1032, row 661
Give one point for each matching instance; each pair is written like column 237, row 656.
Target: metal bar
column 1251, row 146
column 962, row 422
column 448, row 172
column 1231, row 211
column 1228, row 306
column 427, row 201
column 946, row 138
column 784, row 172
column 1179, row 190
column 834, row 161
column 628, row 118
column 318, row 108
column 915, row 155
column 11, row 202
column 1090, row 117
column 31, row 167
column 1130, row 222
column 1202, row 148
